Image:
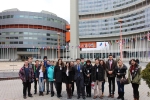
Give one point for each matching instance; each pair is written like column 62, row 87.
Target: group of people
column 86, row 76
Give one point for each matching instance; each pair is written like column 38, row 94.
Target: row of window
column 30, row 43
column 96, row 5
column 32, row 17
column 32, row 33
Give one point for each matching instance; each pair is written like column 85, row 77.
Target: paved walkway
column 12, row 90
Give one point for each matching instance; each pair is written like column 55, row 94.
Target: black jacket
column 38, row 73
column 114, row 64
column 87, row 70
column 101, row 73
column 71, row 75
column 58, row 74
column 121, row 71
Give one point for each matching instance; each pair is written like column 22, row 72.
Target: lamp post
column 121, row 55
column 58, row 43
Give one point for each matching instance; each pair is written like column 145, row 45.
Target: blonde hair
column 118, row 63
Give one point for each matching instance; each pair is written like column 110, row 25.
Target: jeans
column 120, row 87
column 103, row 83
column 26, row 85
column 51, row 86
column 135, row 90
column 111, row 81
column 41, row 84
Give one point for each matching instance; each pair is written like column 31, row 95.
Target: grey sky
column 60, row 7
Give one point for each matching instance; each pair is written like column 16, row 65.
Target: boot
column 67, row 93
column 35, row 91
column 122, row 95
column 47, row 92
column 119, row 95
column 52, row 94
column 42, row 94
column 70, row 96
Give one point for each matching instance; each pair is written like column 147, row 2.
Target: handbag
column 124, row 81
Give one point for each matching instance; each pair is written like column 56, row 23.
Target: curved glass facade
column 100, row 17
column 24, row 34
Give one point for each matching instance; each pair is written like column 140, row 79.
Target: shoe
column 24, row 97
column 94, row 97
column 101, row 97
column 30, row 95
column 89, row 95
column 119, row 95
column 60, row 95
column 112, row 96
column 122, row 95
column 78, row 97
column 52, row 94
column 109, row 95
column 83, row 97
column 42, row 94
column 47, row 92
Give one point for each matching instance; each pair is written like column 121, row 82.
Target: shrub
column 146, row 74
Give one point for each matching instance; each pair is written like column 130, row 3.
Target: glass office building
column 98, row 21
column 29, row 33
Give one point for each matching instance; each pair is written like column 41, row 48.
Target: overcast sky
column 60, row 7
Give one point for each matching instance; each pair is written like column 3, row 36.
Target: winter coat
column 22, row 74
column 50, row 73
column 121, row 71
column 87, row 70
column 101, row 73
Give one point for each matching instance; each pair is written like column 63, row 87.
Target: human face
column 26, row 63
column 97, row 61
column 120, row 63
column 52, row 63
column 60, row 61
column 82, row 60
column 78, row 62
column 88, row 63
column 67, row 64
column 101, row 62
column 110, row 57
column 30, row 60
column 42, row 63
column 48, row 62
column 37, row 62
column 133, row 62
column 71, row 63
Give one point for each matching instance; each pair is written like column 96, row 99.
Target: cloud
column 59, row 7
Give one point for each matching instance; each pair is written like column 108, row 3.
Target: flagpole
column 73, row 53
column 76, row 51
column 66, row 52
column 147, row 46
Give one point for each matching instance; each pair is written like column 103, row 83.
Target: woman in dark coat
column 68, row 78
column 58, row 76
column 87, row 77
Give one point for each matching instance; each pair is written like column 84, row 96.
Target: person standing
column 47, row 81
column 30, row 59
column 98, row 74
column 50, row 74
column 87, row 77
column 134, row 76
column 79, row 78
column 102, row 63
column 45, row 64
column 26, row 74
column 58, row 76
column 40, row 76
column 68, row 78
column 120, row 72
column 72, row 85
column 35, row 67
column 110, row 68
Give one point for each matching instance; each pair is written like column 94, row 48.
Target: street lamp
column 121, row 55
column 58, row 43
